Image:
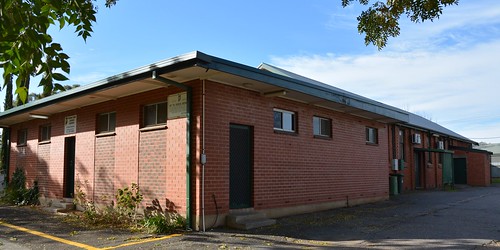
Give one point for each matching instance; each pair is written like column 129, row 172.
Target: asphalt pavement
column 466, row 218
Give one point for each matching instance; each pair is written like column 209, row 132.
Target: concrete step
column 59, row 205
column 248, row 220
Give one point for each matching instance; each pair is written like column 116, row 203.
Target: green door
column 460, row 170
column 447, row 168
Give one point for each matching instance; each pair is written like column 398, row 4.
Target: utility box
column 395, row 163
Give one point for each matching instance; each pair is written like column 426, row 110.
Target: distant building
column 494, row 148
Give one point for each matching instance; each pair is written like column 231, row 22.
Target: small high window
column 44, row 133
column 155, row 114
column 322, row 126
column 284, row 120
column 106, row 122
column 22, row 137
column 402, row 154
column 371, row 135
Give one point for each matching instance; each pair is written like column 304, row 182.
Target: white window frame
column 45, row 133
column 109, row 129
column 22, row 137
column 156, row 114
column 288, row 121
column 318, row 126
column 371, row 135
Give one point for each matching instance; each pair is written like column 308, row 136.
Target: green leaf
column 59, row 87
column 62, row 22
column 22, row 92
column 65, row 66
column 59, row 77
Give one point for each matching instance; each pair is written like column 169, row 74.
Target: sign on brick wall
column 177, row 105
column 70, row 124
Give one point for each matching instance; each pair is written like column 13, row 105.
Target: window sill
column 322, row 137
column 43, row 142
column 105, row 134
column 285, row 132
column 152, row 128
column 371, row 144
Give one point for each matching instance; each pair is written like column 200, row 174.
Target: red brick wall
column 114, row 158
column 176, row 165
column 291, row 170
column 433, row 170
column 42, row 168
column 104, row 169
column 478, row 167
column 152, row 164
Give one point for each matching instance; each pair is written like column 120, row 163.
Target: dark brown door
column 69, row 167
column 240, row 166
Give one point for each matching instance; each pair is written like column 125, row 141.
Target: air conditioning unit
column 395, row 164
column 416, row 139
column 441, row 145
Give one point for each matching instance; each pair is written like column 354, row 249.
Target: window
column 322, row 126
column 371, row 135
column 106, row 122
column 22, row 137
column 44, row 133
column 155, row 114
column 402, row 144
column 284, row 120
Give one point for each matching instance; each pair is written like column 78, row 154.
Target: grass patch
column 495, row 180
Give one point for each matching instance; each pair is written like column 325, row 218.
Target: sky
column 447, row 70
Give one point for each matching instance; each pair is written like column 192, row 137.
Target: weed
column 162, row 221
column 124, row 214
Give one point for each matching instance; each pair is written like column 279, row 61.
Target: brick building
column 211, row 137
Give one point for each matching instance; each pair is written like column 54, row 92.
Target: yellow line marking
column 44, row 235
column 81, row 245
column 143, row 241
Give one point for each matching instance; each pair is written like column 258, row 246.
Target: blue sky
column 447, row 70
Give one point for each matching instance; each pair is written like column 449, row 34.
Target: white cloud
column 87, row 78
column 447, row 70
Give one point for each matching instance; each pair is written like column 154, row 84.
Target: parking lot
column 467, row 218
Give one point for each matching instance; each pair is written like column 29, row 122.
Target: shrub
column 128, row 200
column 17, row 193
